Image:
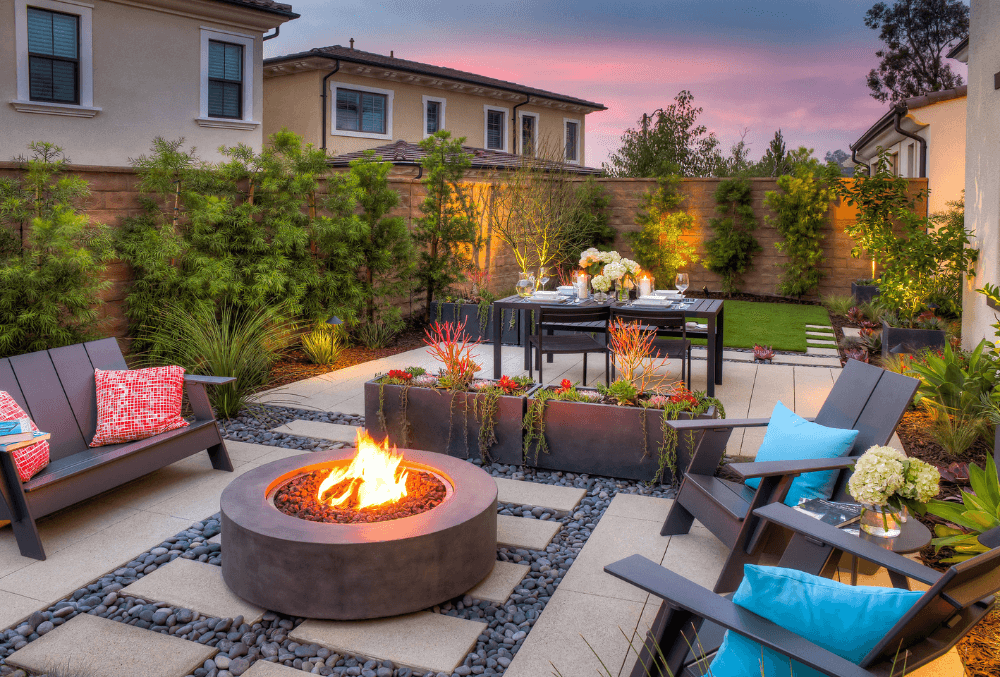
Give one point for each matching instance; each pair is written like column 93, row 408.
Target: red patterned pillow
column 31, row 459
column 136, row 404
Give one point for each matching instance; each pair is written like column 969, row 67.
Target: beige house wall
column 293, row 101
column 945, row 136
column 982, row 168
column 146, row 81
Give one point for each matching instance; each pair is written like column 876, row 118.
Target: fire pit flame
column 374, row 474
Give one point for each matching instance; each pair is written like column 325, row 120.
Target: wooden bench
column 56, row 388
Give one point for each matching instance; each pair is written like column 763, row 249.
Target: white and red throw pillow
column 31, row 459
column 138, row 403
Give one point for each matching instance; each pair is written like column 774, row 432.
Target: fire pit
column 354, row 534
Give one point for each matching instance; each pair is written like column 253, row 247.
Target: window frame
column 333, row 131
column 520, row 136
column 249, row 43
column 243, row 49
column 52, row 57
column 442, row 107
column 487, row 109
column 85, row 59
column 579, row 134
column 361, row 107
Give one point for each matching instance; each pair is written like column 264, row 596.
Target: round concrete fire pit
column 355, row 571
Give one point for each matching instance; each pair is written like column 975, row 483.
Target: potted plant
column 865, row 291
column 472, row 307
column 450, row 412
column 622, row 430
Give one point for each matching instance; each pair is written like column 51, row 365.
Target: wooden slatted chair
column 693, row 616
column 865, row 398
column 57, row 389
column 554, row 317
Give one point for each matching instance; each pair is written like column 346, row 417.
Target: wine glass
column 543, row 277
column 682, row 282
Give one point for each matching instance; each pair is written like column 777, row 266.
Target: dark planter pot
column 604, row 439
column 474, row 325
column 901, row 340
column 864, row 293
column 442, row 422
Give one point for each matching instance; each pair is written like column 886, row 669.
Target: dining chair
column 582, row 342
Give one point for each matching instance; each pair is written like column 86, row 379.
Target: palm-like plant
column 979, row 511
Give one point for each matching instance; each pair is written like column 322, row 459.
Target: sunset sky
column 795, row 64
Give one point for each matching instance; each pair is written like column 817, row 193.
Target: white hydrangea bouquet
column 886, row 480
column 608, row 268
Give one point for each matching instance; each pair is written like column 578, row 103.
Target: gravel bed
column 240, row 644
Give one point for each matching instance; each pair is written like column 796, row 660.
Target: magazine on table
column 840, row 515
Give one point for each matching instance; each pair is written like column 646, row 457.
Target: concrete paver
column 90, row 645
column 422, row 640
column 826, row 352
column 523, row 532
column 498, row 585
column 268, row 669
column 14, row 608
column 194, row 585
column 540, row 495
column 335, row 432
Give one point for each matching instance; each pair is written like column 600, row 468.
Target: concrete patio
column 588, row 607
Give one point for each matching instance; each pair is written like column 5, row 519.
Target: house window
column 53, row 56
column 529, row 134
column 495, row 124
column 225, row 80
column 894, row 163
column 909, row 161
column 434, row 113
column 361, row 111
column 572, row 140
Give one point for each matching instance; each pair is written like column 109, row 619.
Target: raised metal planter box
column 901, row 340
column 475, row 327
column 605, row 439
column 435, row 420
column 864, row 293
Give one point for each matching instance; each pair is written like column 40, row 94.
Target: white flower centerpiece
column 885, row 482
column 607, row 269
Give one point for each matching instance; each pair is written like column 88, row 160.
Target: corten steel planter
column 356, row 571
column 901, row 340
column 441, row 421
column 474, row 327
column 864, row 293
column 605, row 439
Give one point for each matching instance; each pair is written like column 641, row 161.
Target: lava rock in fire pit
column 298, row 498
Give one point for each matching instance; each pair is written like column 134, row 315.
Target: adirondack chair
column 865, row 398
column 693, row 616
column 56, row 388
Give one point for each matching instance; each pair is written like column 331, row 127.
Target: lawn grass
column 781, row 326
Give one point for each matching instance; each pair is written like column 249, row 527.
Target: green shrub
column 238, row 342
column 323, row 345
column 730, row 250
column 837, row 304
column 800, row 209
column 659, row 246
column 978, row 512
column 375, row 335
column 52, row 260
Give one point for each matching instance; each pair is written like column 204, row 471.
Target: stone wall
column 115, row 196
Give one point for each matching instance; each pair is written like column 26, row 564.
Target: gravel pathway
column 240, row 644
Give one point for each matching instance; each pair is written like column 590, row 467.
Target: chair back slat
column 555, row 314
column 106, row 355
column 9, row 384
column 667, row 319
column 966, row 585
column 50, row 409
column 849, row 395
column 76, row 373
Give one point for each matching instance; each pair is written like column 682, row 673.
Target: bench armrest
column 684, row 594
column 208, row 380
column 718, row 423
column 822, row 533
column 771, row 468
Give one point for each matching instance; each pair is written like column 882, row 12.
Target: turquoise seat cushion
column 843, row 619
column 790, row 437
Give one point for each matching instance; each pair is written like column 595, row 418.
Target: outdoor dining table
column 708, row 310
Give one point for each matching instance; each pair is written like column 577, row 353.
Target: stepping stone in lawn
column 500, row 583
column 335, row 432
column 825, row 327
column 422, row 640
column 832, row 352
column 194, row 585
column 539, row 495
column 522, row 532
column 91, row 645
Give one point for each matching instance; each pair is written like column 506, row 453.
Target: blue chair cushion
column 790, row 437
column 843, row 619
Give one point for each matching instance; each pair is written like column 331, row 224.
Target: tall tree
column 840, row 158
column 667, row 142
column 775, row 161
column 916, row 34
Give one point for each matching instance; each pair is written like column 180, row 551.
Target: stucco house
column 925, row 138
column 103, row 78
column 346, row 100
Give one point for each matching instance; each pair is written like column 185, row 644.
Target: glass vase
column 881, row 520
column 600, row 296
column 621, row 292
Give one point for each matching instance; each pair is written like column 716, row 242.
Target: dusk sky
column 795, row 64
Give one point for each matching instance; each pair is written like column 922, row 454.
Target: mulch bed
column 298, row 499
column 295, row 366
